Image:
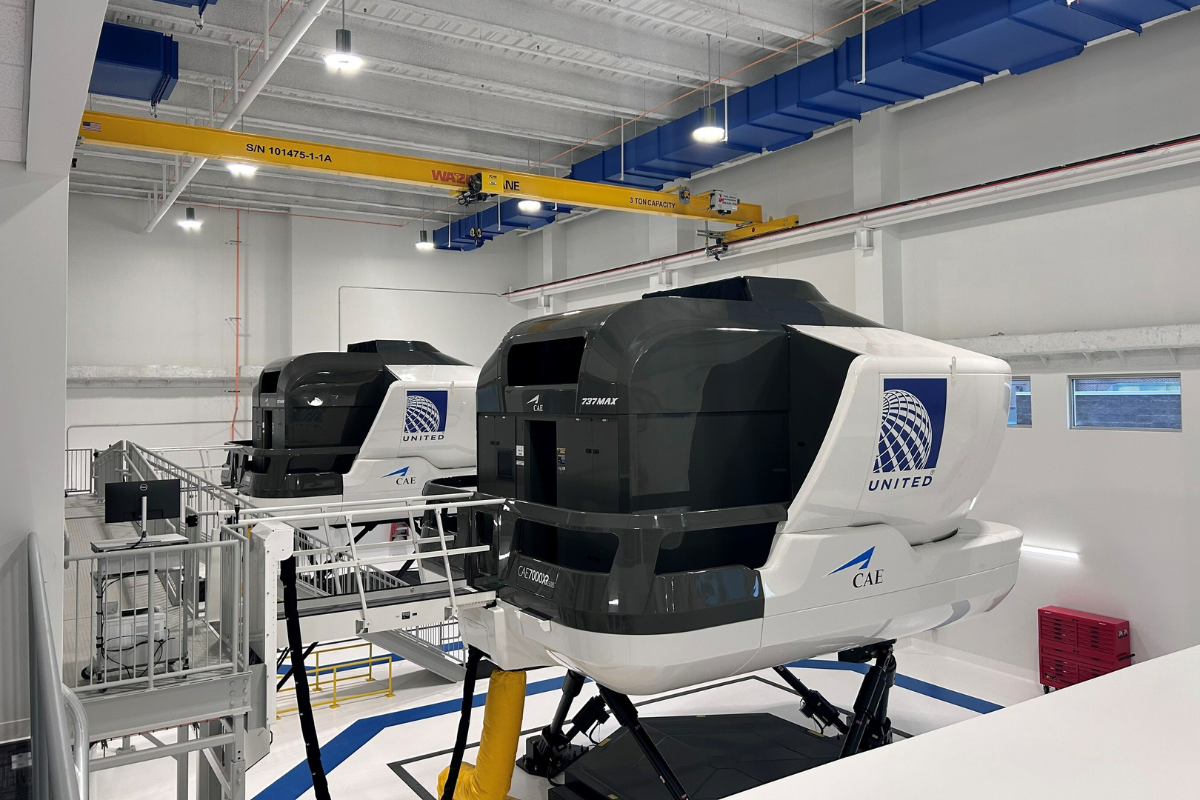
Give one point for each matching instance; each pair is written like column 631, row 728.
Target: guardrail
column 54, row 776
column 153, row 615
column 332, row 558
column 78, row 471
column 212, row 513
column 332, row 669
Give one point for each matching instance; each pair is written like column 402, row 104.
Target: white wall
column 1109, row 255
column 167, row 298
column 327, row 256
column 1126, row 501
column 33, row 221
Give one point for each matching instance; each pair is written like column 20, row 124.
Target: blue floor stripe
column 297, row 781
column 950, row 696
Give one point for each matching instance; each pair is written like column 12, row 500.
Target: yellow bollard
column 491, row 777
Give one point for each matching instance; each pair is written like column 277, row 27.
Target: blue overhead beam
column 928, row 50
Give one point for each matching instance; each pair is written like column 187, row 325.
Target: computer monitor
column 123, row 501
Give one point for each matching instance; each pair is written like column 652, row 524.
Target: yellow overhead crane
column 134, row 133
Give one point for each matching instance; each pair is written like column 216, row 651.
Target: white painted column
column 878, row 271
column 33, row 325
column 667, row 236
column 553, row 267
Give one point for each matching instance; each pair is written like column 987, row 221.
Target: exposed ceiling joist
column 266, row 172
column 191, row 114
column 214, row 34
column 367, row 106
column 217, row 201
column 529, row 43
column 738, row 18
column 664, row 19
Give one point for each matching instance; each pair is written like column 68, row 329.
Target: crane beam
column 135, row 133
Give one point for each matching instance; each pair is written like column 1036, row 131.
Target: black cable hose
column 464, row 722
column 308, row 727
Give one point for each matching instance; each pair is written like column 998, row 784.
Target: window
column 1020, row 412
column 546, row 363
column 1148, row 402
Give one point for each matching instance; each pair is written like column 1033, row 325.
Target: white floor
column 361, row 737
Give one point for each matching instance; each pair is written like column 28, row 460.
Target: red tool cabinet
column 1074, row 646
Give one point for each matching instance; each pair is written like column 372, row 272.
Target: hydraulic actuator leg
column 815, row 705
column 870, row 726
column 627, row 715
column 551, row 752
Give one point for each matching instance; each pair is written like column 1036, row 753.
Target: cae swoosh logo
column 861, row 561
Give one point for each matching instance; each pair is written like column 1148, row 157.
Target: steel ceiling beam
column 609, row 60
column 205, row 143
column 267, row 172
column 651, row 16
column 738, row 18
column 213, row 34
column 100, row 190
column 312, row 11
column 297, row 127
column 278, row 92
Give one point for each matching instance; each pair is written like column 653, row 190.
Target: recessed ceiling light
column 529, row 205
column 241, row 170
column 189, row 221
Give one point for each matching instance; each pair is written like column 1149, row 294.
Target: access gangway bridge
column 186, row 637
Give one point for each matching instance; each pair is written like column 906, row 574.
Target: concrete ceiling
column 503, row 83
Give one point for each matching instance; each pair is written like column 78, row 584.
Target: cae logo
column 402, row 477
column 864, row 577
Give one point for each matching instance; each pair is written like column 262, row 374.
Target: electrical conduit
column 290, row 40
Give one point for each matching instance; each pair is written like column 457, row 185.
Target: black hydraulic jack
column 868, row 725
column 551, row 752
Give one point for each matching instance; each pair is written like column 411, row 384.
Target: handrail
column 50, row 746
column 82, row 742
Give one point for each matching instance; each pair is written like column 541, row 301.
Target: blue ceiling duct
column 933, row 48
column 136, row 64
column 202, row 5
column 472, row 231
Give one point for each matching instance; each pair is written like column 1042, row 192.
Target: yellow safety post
column 317, row 687
column 491, row 777
column 334, row 704
column 389, row 691
column 370, row 661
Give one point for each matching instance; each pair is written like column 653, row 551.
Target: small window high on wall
column 1139, row 402
column 1020, row 411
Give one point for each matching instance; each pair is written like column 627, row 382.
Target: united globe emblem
column 421, row 415
column 905, row 433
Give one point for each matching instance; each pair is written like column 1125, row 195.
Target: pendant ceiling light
column 529, row 205
column 709, row 132
column 189, row 221
column 423, row 243
column 342, row 59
